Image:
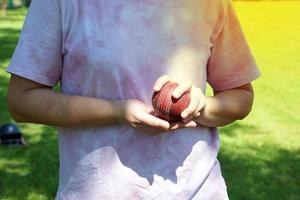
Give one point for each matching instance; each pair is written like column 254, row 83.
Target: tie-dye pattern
column 116, row 50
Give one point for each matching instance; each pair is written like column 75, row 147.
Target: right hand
column 144, row 118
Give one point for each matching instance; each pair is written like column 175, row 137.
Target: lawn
column 260, row 155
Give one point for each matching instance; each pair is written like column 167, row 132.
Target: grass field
column 260, row 156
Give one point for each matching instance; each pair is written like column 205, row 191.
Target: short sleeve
column 231, row 63
column 38, row 55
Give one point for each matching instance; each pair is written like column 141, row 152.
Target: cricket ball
column 168, row 107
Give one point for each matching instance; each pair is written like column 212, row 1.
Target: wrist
column 201, row 119
column 119, row 107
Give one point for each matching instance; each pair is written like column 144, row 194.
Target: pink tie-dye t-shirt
column 117, row 50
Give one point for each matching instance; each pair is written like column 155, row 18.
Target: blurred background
column 260, row 155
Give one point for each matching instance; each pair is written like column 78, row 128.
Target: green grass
column 260, row 155
column 29, row 172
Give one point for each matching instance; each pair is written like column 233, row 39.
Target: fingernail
column 194, row 124
column 165, row 125
column 176, row 95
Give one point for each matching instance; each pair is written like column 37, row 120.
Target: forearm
column 45, row 106
column 226, row 107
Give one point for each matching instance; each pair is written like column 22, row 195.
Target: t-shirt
column 116, row 50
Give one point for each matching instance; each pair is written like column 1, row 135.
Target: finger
column 180, row 125
column 191, row 110
column 201, row 105
column 154, row 113
column 153, row 122
column 181, row 89
column 190, row 116
column 191, row 124
column 160, row 82
column 198, row 101
column 198, row 110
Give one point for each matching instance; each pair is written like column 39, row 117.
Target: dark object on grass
column 27, row 3
column 10, row 135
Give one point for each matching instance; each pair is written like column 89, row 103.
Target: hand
column 144, row 118
column 197, row 103
column 141, row 116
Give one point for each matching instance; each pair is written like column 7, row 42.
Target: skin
column 29, row 101
column 221, row 109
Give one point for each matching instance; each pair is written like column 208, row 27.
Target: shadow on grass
column 235, row 128
column 4, row 115
column 259, row 172
column 31, row 170
column 8, row 41
column 14, row 15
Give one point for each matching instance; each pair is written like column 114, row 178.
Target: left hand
column 197, row 103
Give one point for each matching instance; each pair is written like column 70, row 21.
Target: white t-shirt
column 117, row 50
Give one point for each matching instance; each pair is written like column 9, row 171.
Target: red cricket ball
column 167, row 106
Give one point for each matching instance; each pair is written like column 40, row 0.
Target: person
column 4, row 6
column 108, row 56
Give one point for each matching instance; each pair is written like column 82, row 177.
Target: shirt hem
column 36, row 77
column 241, row 81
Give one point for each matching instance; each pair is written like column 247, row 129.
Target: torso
column 116, row 50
